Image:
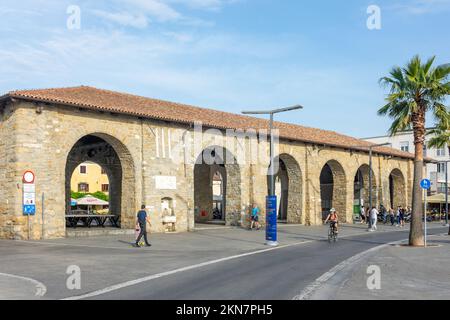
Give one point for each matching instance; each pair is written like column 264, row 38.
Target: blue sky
column 231, row 55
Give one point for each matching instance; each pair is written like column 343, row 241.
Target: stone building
column 154, row 152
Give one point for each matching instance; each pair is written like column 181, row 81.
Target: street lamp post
column 370, row 170
column 271, row 201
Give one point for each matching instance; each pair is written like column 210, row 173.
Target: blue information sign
column 29, row 209
column 271, row 218
column 425, row 184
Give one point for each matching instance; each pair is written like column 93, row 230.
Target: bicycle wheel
column 330, row 235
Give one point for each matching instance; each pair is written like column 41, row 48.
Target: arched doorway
column 288, row 189
column 216, row 171
column 89, row 184
column 117, row 164
column 218, row 196
column 361, row 189
column 397, row 192
column 333, row 190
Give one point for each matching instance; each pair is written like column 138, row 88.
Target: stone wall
column 40, row 139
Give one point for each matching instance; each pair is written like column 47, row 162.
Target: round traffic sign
column 425, row 184
column 28, row 177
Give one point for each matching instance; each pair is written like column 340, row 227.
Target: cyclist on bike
column 333, row 218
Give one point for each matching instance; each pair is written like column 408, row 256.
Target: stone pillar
column 203, row 194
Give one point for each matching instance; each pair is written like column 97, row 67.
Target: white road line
column 164, row 274
column 41, row 289
column 196, row 266
column 319, row 282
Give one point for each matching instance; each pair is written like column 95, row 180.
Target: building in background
column 89, row 177
column 435, row 172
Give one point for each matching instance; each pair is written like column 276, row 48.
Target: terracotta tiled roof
column 110, row 101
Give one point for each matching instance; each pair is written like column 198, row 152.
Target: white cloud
column 420, row 7
column 138, row 13
column 124, row 18
column 158, row 9
column 203, row 4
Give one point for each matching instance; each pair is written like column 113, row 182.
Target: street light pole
column 271, row 200
column 370, row 171
column 272, row 158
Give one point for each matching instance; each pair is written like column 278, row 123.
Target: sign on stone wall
column 165, row 183
column 29, row 193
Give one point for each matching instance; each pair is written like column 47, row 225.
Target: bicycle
column 332, row 233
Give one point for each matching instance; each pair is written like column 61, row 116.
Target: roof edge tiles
column 124, row 103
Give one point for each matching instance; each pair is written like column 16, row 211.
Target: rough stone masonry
column 51, row 131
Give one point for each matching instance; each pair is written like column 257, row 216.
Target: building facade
column 165, row 155
column 89, row 177
column 404, row 141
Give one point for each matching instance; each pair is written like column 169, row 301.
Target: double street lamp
column 271, row 200
column 370, row 169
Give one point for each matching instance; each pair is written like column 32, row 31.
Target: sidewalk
column 406, row 274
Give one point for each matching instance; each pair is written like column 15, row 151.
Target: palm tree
column 441, row 139
column 415, row 90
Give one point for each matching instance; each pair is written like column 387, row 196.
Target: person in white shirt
column 373, row 219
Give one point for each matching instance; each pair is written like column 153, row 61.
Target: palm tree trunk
column 416, row 235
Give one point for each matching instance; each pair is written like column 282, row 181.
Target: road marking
column 196, row 266
column 188, row 268
column 319, row 282
column 41, row 289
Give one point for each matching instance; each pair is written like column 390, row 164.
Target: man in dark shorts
column 142, row 220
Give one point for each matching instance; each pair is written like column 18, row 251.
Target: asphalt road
column 279, row 274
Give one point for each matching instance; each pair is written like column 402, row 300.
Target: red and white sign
column 28, row 177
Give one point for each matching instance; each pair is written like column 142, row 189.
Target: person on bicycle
column 333, row 218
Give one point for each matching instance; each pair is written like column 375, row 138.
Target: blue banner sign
column 29, row 209
column 271, row 218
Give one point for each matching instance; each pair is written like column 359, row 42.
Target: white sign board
column 165, row 183
column 29, row 188
column 29, row 198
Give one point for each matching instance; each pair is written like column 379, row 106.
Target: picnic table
column 88, row 218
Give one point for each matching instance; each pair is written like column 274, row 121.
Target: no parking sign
column 29, row 194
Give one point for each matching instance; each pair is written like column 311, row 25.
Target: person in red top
column 333, row 218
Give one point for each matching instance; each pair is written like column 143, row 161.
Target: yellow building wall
column 93, row 177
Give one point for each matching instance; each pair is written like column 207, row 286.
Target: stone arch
column 289, row 188
column 361, row 189
column 397, row 189
column 333, row 188
column 114, row 157
column 211, row 160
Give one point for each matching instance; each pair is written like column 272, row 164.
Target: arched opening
column 217, row 187
column 397, row 193
column 288, row 189
column 333, row 191
column 116, row 164
column 89, row 189
column 218, row 196
column 361, row 189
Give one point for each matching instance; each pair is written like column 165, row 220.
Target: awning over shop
column 437, row 198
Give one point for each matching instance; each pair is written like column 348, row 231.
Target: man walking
column 141, row 222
